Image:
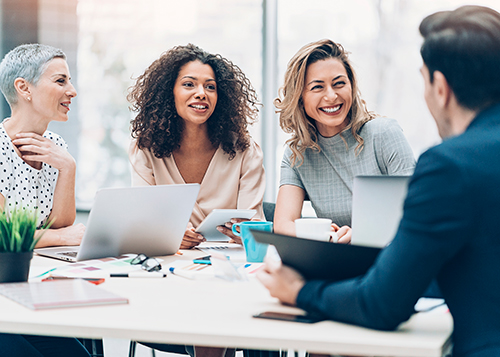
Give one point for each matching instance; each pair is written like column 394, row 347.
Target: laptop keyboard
column 68, row 254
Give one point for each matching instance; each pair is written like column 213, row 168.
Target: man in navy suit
column 450, row 228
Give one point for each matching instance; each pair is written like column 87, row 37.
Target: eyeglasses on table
column 147, row 263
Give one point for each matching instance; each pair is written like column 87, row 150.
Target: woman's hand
column 343, row 233
column 70, row 235
column 36, row 148
column 191, row 238
column 288, row 208
column 227, row 230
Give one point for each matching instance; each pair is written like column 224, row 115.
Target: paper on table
column 225, row 269
column 95, row 268
column 194, row 271
column 235, row 252
column 250, row 269
column 221, row 268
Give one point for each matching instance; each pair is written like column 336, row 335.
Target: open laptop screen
column 377, row 208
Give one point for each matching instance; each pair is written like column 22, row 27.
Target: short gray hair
column 28, row 62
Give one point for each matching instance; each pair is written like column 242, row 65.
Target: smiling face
column 327, row 96
column 51, row 97
column 195, row 92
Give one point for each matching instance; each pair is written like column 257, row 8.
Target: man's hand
column 282, row 281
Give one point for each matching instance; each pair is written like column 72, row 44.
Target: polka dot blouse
column 24, row 186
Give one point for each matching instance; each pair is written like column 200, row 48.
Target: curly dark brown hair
column 157, row 125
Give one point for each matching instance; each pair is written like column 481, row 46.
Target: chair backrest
column 268, row 208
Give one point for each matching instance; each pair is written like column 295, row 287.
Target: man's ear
column 442, row 89
column 22, row 88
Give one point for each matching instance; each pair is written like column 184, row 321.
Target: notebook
column 377, row 208
column 147, row 219
column 59, row 293
column 316, row 259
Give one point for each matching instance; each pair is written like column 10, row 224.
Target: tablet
column 218, row 217
column 315, row 259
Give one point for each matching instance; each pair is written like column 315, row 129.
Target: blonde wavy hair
column 293, row 118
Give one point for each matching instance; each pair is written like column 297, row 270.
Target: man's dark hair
column 464, row 45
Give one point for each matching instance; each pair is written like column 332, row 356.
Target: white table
column 218, row 313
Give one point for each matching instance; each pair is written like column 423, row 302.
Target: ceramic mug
column 255, row 251
column 315, row 228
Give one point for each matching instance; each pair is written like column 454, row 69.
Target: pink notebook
column 59, row 293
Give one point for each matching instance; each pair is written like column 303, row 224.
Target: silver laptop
column 377, row 209
column 147, row 219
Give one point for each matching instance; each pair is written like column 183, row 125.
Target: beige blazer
column 236, row 183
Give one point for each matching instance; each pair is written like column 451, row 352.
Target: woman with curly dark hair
column 193, row 109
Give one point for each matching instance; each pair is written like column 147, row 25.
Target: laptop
column 321, row 260
column 147, row 219
column 377, row 209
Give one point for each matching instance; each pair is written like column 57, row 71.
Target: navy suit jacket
column 450, row 231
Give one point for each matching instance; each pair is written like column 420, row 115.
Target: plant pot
column 15, row 267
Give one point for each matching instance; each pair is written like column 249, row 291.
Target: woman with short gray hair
column 37, row 172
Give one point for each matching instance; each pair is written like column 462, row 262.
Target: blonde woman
column 334, row 138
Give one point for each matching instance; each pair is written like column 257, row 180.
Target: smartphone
column 202, row 260
column 287, row 317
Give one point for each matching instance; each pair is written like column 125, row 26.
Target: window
column 119, row 39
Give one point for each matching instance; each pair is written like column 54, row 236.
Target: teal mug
column 255, row 251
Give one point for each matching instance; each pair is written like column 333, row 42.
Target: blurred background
column 110, row 42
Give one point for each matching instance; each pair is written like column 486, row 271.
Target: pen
column 139, row 274
column 184, row 273
column 48, row 271
column 202, row 261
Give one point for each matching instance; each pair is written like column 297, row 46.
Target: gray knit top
column 327, row 176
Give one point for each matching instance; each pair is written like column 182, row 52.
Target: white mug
column 315, row 228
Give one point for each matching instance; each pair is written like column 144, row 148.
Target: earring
column 28, row 99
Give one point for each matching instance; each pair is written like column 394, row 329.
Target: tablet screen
column 218, row 217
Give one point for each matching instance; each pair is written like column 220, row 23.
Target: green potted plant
column 17, row 241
